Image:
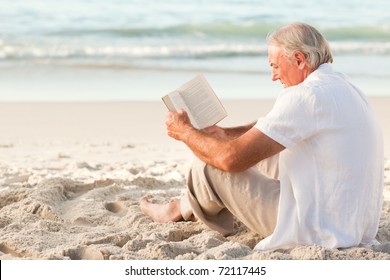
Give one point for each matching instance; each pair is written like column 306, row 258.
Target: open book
column 198, row 99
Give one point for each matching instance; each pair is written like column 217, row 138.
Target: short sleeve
column 292, row 119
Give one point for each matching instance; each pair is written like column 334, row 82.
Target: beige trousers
column 215, row 197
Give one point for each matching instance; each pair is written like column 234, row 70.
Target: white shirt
column 331, row 172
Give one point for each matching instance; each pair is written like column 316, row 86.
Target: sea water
column 139, row 49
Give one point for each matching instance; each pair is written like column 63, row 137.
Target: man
column 309, row 172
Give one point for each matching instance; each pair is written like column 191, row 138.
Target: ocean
column 98, row 50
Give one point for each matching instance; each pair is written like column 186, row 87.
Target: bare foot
column 161, row 213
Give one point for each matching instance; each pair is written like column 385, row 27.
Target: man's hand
column 178, row 125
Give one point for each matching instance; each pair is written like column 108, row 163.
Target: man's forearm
column 228, row 149
column 227, row 133
column 213, row 148
column 234, row 132
column 207, row 147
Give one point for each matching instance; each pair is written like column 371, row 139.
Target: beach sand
column 72, row 174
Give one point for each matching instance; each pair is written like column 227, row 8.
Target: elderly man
column 309, row 172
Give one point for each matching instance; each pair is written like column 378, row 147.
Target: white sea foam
column 221, row 36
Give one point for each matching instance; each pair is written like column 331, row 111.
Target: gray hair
column 304, row 38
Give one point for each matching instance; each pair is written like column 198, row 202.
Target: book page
column 174, row 102
column 203, row 104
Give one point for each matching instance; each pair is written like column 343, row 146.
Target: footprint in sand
column 83, row 221
column 8, row 250
column 84, row 253
column 116, row 208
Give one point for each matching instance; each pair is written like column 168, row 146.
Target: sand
column 71, row 175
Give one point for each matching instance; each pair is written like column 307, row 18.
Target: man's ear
column 300, row 59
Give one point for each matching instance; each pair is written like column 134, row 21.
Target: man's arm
column 228, row 154
column 228, row 133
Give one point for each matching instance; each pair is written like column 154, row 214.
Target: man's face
column 285, row 69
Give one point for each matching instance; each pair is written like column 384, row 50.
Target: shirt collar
column 324, row 68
